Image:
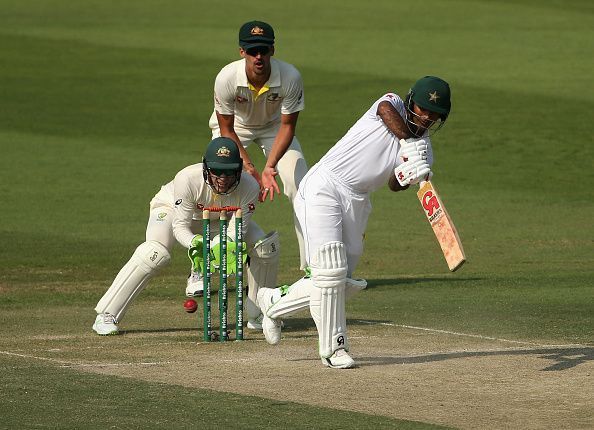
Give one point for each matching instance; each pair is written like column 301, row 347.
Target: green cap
column 255, row 33
column 432, row 93
column 222, row 153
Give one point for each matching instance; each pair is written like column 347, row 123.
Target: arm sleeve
column 184, row 209
column 294, row 100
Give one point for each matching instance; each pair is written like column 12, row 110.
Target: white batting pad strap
column 327, row 299
column 146, row 261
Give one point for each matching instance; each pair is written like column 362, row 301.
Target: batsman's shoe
column 105, row 324
column 272, row 330
column 339, row 360
column 195, row 287
column 255, row 323
column 270, row 327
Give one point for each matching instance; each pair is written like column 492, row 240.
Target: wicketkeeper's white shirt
column 189, row 194
column 234, row 95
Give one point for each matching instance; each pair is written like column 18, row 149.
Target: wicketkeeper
column 176, row 214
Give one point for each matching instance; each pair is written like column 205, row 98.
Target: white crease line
column 74, row 364
column 453, row 333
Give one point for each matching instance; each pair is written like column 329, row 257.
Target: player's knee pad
column 329, row 265
column 146, row 261
column 262, row 270
column 327, row 301
column 152, row 256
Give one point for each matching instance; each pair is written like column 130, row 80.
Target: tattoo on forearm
column 393, row 120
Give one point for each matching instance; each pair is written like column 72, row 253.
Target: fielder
column 176, row 214
column 258, row 99
column 333, row 207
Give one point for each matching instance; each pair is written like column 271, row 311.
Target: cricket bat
column 442, row 225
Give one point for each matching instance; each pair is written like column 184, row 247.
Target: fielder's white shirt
column 366, row 156
column 190, row 194
column 233, row 95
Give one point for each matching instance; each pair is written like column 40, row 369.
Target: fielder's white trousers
column 328, row 210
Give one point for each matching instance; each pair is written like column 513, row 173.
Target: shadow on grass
column 373, row 283
column 563, row 358
column 160, row 330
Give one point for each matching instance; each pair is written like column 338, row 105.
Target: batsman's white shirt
column 181, row 201
column 333, row 199
column 234, row 95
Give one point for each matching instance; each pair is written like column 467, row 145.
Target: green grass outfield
column 104, row 101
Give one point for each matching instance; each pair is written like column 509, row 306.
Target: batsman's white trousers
column 291, row 168
column 328, row 210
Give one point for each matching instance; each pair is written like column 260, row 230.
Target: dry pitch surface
column 456, row 379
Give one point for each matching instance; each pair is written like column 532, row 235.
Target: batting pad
column 262, row 270
column 296, row 299
column 298, row 295
column 146, row 261
column 327, row 300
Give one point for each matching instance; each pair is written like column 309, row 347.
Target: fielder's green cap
column 255, row 33
column 432, row 93
column 222, row 153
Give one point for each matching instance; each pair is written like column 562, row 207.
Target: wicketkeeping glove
column 195, row 253
column 231, row 260
column 412, row 171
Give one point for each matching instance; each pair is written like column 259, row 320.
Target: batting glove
column 413, row 147
column 412, row 172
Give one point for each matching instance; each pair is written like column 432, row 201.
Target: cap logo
column 433, row 96
column 257, row 31
column 223, row 151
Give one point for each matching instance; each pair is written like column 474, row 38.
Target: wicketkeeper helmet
column 222, row 157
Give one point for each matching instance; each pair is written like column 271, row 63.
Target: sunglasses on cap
column 221, row 172
column 262, row 50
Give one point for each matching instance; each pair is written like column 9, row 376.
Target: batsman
column 176, row 215
column 389, row 144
